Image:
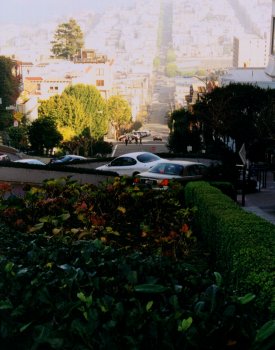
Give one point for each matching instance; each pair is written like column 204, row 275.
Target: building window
column 100, row 71
column 38, row 87
column 100, row 83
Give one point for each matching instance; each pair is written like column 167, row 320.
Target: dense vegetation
column 114, row 267
column 228, row 116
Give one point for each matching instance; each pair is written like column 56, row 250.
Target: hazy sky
column 34, row 11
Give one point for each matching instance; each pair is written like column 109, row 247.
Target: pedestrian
column 126, row 140
column 140, row 139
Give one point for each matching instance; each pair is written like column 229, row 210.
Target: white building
column 263, row 77
column 250, row 51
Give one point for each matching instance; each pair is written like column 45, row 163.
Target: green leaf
column 218, row 278
column 25, row 327
column 132, row 277
column 265, row 331
column 64, row 216
column 246, row 298
column 150, row 288
column 5, row 305
column 149, row 305
column 37, row 227
column 185, row 324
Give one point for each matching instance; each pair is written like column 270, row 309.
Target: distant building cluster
column 122, row 43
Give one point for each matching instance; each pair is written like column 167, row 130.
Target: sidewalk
column 262, row 203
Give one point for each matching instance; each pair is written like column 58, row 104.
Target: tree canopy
column 79, row 107
column 94, row 107
column 119, row 112
column 9, row 82
column 185, row 131
column 68, row 40
column 9, row 90
column 43, row 134
column 67, row 112
column 238, row 111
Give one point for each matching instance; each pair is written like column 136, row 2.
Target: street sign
column 242, row 154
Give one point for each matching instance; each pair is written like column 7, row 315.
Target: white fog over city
column 151, row 51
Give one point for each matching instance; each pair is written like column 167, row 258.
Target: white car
column 30, row 161
column 161, row 174
column 132, row 163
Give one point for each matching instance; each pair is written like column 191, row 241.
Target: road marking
column 114, row 151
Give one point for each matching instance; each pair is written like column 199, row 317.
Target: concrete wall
column 21, row 176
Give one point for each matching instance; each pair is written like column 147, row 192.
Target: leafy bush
column 114, row 267
column 242, row 242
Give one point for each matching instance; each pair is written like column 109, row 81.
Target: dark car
column 68, row 158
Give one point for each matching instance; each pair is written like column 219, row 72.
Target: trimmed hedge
column 243, row 243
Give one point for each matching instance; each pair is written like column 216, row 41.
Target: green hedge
column 243, row 243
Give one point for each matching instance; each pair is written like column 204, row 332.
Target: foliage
column 68, row 40
column 84, row 273
column 119, row 113
column 79, row 107
column 241, row 241
column 171, row 69
column 9, row 82
column 18, row 137
column 102, row 148
column 94, row 107
column 156, row 62
column 171, row 56
column 43, row 134
column 67, row 112
column 185, row 131
column 9, row 90
column 60, row 205
column 242, row 112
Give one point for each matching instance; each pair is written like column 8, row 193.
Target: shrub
column 242, row 242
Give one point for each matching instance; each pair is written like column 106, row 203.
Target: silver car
column 160, row 175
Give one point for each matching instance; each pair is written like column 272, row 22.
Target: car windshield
column 165, row 168
column 147, row 157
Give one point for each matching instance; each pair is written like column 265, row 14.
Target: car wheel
column 135, row 173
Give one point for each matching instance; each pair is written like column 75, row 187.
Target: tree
column 18, row 137
column 68, row 40
column 43, row 134
column 9, row 89
column 119, row 113
column 185, row 131
column 171, row 69
column 94, row 107
column 238, row 112
column 67, row 112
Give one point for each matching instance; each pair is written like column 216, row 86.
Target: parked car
column 161, row 174
column 4, row 157
column 68, row 158
column 132, row 163
column 157, row 138
column 30, row 161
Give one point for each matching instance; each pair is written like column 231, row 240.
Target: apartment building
column 250, row 50
column 262, row 77
column 43, row 80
